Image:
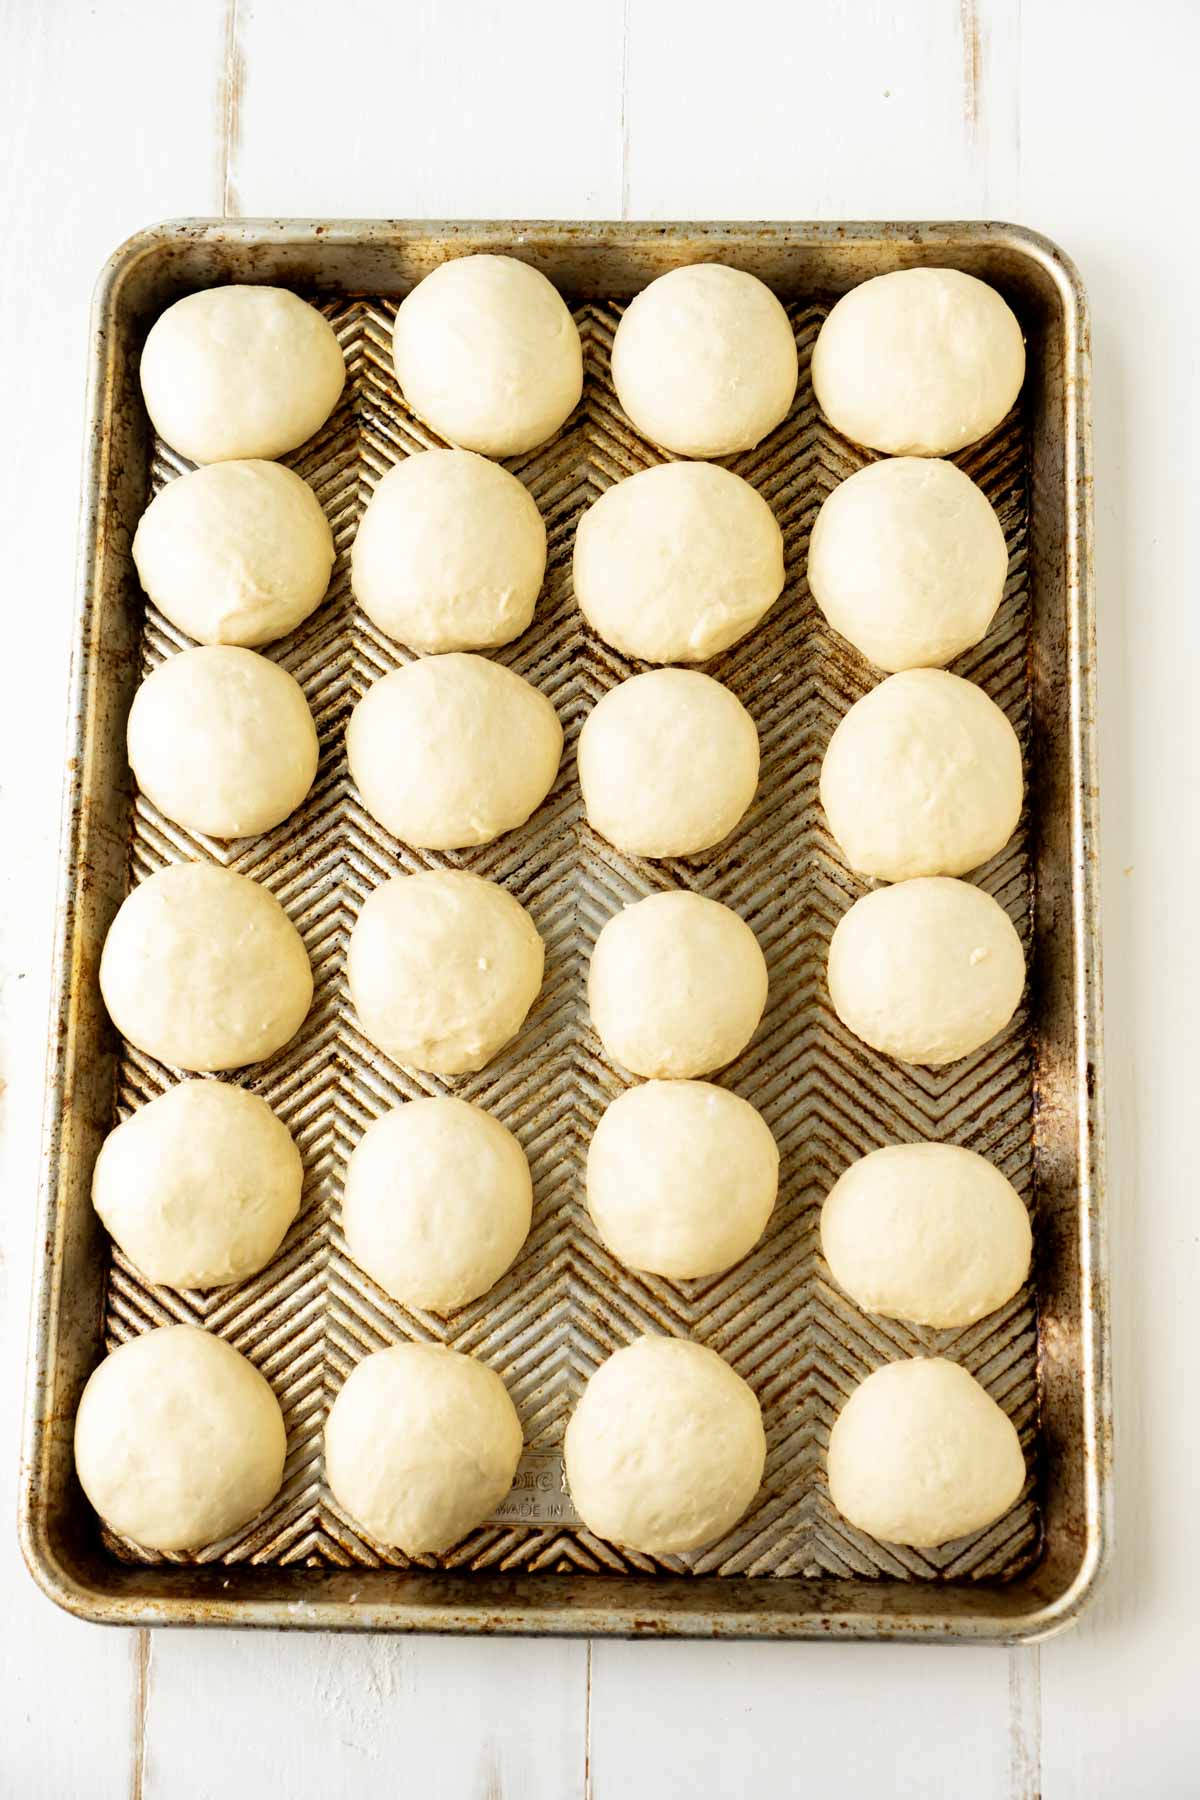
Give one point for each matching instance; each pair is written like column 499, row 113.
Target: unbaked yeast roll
column 926, row 971
column 920, row 362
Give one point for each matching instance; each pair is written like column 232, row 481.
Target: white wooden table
column 1073, row 116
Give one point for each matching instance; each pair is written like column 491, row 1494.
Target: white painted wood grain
column 762, row 110
column 1060, row 115
column 1119, row 1696
column 437, row 108
column 355, row 1718
column 105, row 124
column 839, row 1721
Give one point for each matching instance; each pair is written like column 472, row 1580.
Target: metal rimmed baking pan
column 1032, row 1100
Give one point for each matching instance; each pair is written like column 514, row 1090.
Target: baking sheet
column 565, row 1304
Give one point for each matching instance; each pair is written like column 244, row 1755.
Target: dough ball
column 677, row 985
column 199, row 1186
column 918, row 363
column 421, row 1445
column 222, row 741
column 443, row 968
column 437, row 1202
column 238, row 553
column 921, row 1455
column 487, row 353
column 178, row 1440
column 665, row 1450
column 677, row 562
column 681, row 1178
column 453, row 750
column 204, row 970
column 908, row 561
column 240, row 371
column 450, row 553
column 922, row 777
column 926, row 971
column 704, row 361
column 926, row 1232
column 668, row 763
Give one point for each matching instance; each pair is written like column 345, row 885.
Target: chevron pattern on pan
column 566, row 1304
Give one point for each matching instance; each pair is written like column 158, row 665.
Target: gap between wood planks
column 229, row 111
column 624, row 114
column 142, row 1650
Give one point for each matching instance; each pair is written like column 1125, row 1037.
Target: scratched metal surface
column 566, row 1303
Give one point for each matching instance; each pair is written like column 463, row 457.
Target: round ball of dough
column 453, row 750
column 443, row 968
column 668, row 763
column 666, row 1448
column 922, row 777
column 238, row 553
column 926, row 971
column 178, row 1440
column 926, row 1232
column 918, row 363
column 204, row 970
column 677, row 985
column 487, row 353
column 240, row 371
column 449, row 554
column 908, row 561
column 921, row 1455
column 421, row 1445
column 222, row 741
column 677, row 562
column 681, row 1178
column 199, row 1187
column 437, row 1202
column 704, row 361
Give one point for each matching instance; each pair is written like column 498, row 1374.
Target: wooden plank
column 869, row 111
column 1107, row 136
column 105, row 124
column 439, row 109
column 406, row 126
column 795, row 1720
column 356, row 1718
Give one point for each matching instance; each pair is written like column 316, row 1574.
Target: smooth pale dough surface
column 178, row 1440
column 240, row 372
column 436, row 1203
column 921, row 1455
column 443, row 967
column 237, row 553
column 199, row 1186
column 449, row 554
column 681, row 1178
column 918, row 363
column 704, row 361
column 926, row 1232
column 487, row 353
column 926, row 971
column 922, row 777
column 665, row 1450
column 204, row 970
column 908, row 561
column 421, row 1444
column 676, row 986
column 222, row 741
column 677, row 562
column 668, row 763
column 453, row 750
